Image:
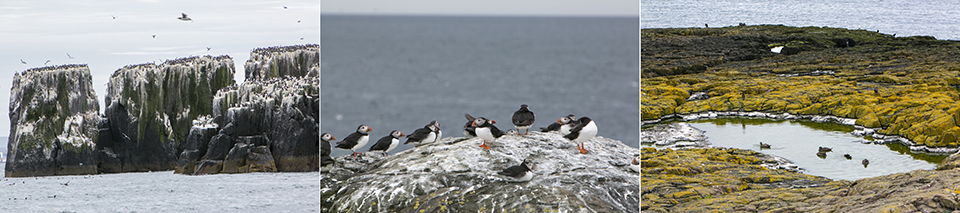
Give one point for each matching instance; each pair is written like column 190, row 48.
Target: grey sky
column 36, row 31
column 490, row 7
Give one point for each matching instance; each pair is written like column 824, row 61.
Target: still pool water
column 799, row 141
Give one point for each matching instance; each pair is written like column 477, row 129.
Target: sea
column 401, row 72
column 895, row 17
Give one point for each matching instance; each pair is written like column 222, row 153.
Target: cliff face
column 293, row 61
column 53, row 122
column 150, row 110
column 455, row 175
column 265, row 124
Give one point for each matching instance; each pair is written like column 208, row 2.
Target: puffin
column 325, row 149
column 555, row 126
column 512, row 132
column 387, row 143
column 584, row 131
column 426, row 134
column 520, row 172
column 486, row 130
column 355, row 140
column 565, row 129
column 184, row 17
column 635, row 164
column 468, row 129
column 523, row 119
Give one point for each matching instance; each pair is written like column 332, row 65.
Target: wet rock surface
column 455, row 175
column 53, row 122
column 734, row 180
column 674, row 135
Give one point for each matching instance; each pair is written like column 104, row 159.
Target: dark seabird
column 114, row 17
column 154, row 36
column 565, row 128
column 387, row 143
column 208, row 49
column 45, row 63
column 184, row 17
column 847, row 156
column 23, row 62
column 523, row 119
column 764, row 145
column 284, row 7
column 325, row 149
column 822, row 154
column 486, row 131
column 355, row 140
column 301, row 38
column 825, row 149
column 520, row 172
column 635, row 164
column 468, row 129
column 865, row 162
column 584, row 131
column 427, row 134
column 555, row 126
column 298, row 21
column 68, row 56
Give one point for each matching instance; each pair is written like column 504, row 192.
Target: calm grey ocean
column 901, row 17
column 401, row 72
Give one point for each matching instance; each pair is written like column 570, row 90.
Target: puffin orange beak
column 474, row 124
column 558, row 121
column 333, row 138
column 493, row 121
column 401, row 134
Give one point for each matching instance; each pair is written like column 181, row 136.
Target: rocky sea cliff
column 902, row 89
column 161, row 116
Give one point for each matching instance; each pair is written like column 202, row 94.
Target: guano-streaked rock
column 455, row 175
column 53, row 122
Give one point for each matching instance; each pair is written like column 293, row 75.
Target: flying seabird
column 68, row 55
column 114, row 17
column 208, row 48
column 45, row 63
column 184, row 17
column 154, row 35
column 284, row 7
column 24, row 62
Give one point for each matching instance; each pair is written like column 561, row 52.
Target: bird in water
column 184, row 17
column 865, row 162
column 520, row 172
column 355, row 140
column 847, row 156
column 387, row 143
column 486, row 131
column 764, row 145
column 523, row 119
column 822, row 155
column 584, row 131
column 826, row 149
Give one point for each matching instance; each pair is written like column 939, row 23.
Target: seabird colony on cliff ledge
column 573, row 129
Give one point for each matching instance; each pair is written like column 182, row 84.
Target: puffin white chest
column 362, row 141
column 485, row 134
column 588, row 132
column 393, row 144
column 527, row 176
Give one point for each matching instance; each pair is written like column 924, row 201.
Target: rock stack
column 53, row 122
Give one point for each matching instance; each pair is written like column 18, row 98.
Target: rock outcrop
column 269, row 123
column 292, row 61
column 151, row 108
column 455, row 175
column 898, row 86
column 53, row 122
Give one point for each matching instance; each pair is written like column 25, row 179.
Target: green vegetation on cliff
column 907, row 86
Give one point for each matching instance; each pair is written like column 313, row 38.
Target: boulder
column 455, row 175
column 53, row 122
column 209, row 167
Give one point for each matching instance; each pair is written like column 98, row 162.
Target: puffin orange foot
column 486, row 147
column 583, row 151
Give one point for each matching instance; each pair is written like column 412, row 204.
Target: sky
column 37, row 31
column 489, row 7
